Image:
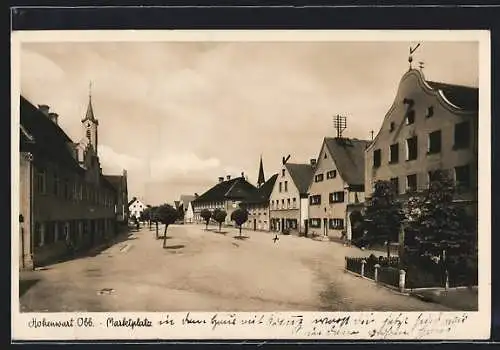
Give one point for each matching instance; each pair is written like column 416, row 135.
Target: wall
column 25, row 259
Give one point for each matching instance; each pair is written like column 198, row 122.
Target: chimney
column 221, row 179
column 44, row 109
column 228, row 177
column 53, row 117
column 283, row 160
column 196, row 195
column 242, row 174
column 313, row 162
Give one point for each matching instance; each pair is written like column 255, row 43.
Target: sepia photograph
column 252, row 175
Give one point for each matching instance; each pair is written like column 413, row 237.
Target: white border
column 476, row 324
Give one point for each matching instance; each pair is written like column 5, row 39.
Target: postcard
column 313, row 185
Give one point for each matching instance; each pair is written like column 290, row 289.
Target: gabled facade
column 337, row 183
column 186, row 202
column 257, row 204
column 289, row 198
column 430, row 126
column 136, row 207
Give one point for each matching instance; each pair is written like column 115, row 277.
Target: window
column 394, row 154
column 38, row 235
column 280, row 186
column 50, row 233
column 392, row 127
column 410, row 117
column 430, row 112
column 288, row 203
column 315, row 200
column 325, row 156
column 88, row 134
column 411, row 182
column 411, row 148
column 315, row 223
column 462, row 176
column 432, row 175
column 337, row 197
column 332, row 174
column 336, row 224
column 66, row 189
column 462, row 135
column 295, row 202
column 377, row 158
column 395, row 184
column 318, row 178
column 410, row 112
column 56, row 184
column 282, row 172
column 41, row 183
column 434, row 142
column 282, row 204
column 286, row 186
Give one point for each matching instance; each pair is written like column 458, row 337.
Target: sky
column 177, row 115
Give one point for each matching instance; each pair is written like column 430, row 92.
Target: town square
column 248, row 176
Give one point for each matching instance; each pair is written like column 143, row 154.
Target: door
column 306, row 226
column 325, row 227
column 282, row 225
column 254, row 224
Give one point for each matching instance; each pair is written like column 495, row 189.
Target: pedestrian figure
column 275, row 239
column 69, row 242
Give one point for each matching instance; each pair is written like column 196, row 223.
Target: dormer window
column 430, row 112
column 410, row 117
column 392, row 127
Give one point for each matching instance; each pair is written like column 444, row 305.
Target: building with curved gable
column 430, row 126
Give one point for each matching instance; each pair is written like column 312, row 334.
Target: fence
column 421, row 273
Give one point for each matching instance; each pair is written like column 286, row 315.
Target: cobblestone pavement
column 211, row 271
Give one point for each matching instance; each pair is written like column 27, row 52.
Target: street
column 210, row 271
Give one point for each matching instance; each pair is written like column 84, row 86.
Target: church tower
column 261, row 180
column 90, row 124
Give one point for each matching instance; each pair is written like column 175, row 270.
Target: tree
column 383, row 215
column 219, row 216
column 155, row 218
column 181, row 212
column 167, row 215
column 439, row 224
column 239, row 216
column 206, row 215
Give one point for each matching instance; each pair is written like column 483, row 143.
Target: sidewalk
column 463, row 299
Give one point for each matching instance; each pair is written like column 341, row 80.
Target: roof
column 132, row 201
column 107, row 184
column 186, row 199
column 237, row 188
column 43, row 137
column 114, row 180
column 90, row 112
column 464, row 97
column 262, row 194
column 177, row 204
column 301, row 175
column 349, row 158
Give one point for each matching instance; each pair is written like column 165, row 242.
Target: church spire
column 261, row 180
column 90, row 111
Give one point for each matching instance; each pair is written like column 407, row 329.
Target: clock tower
column 90, row 124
